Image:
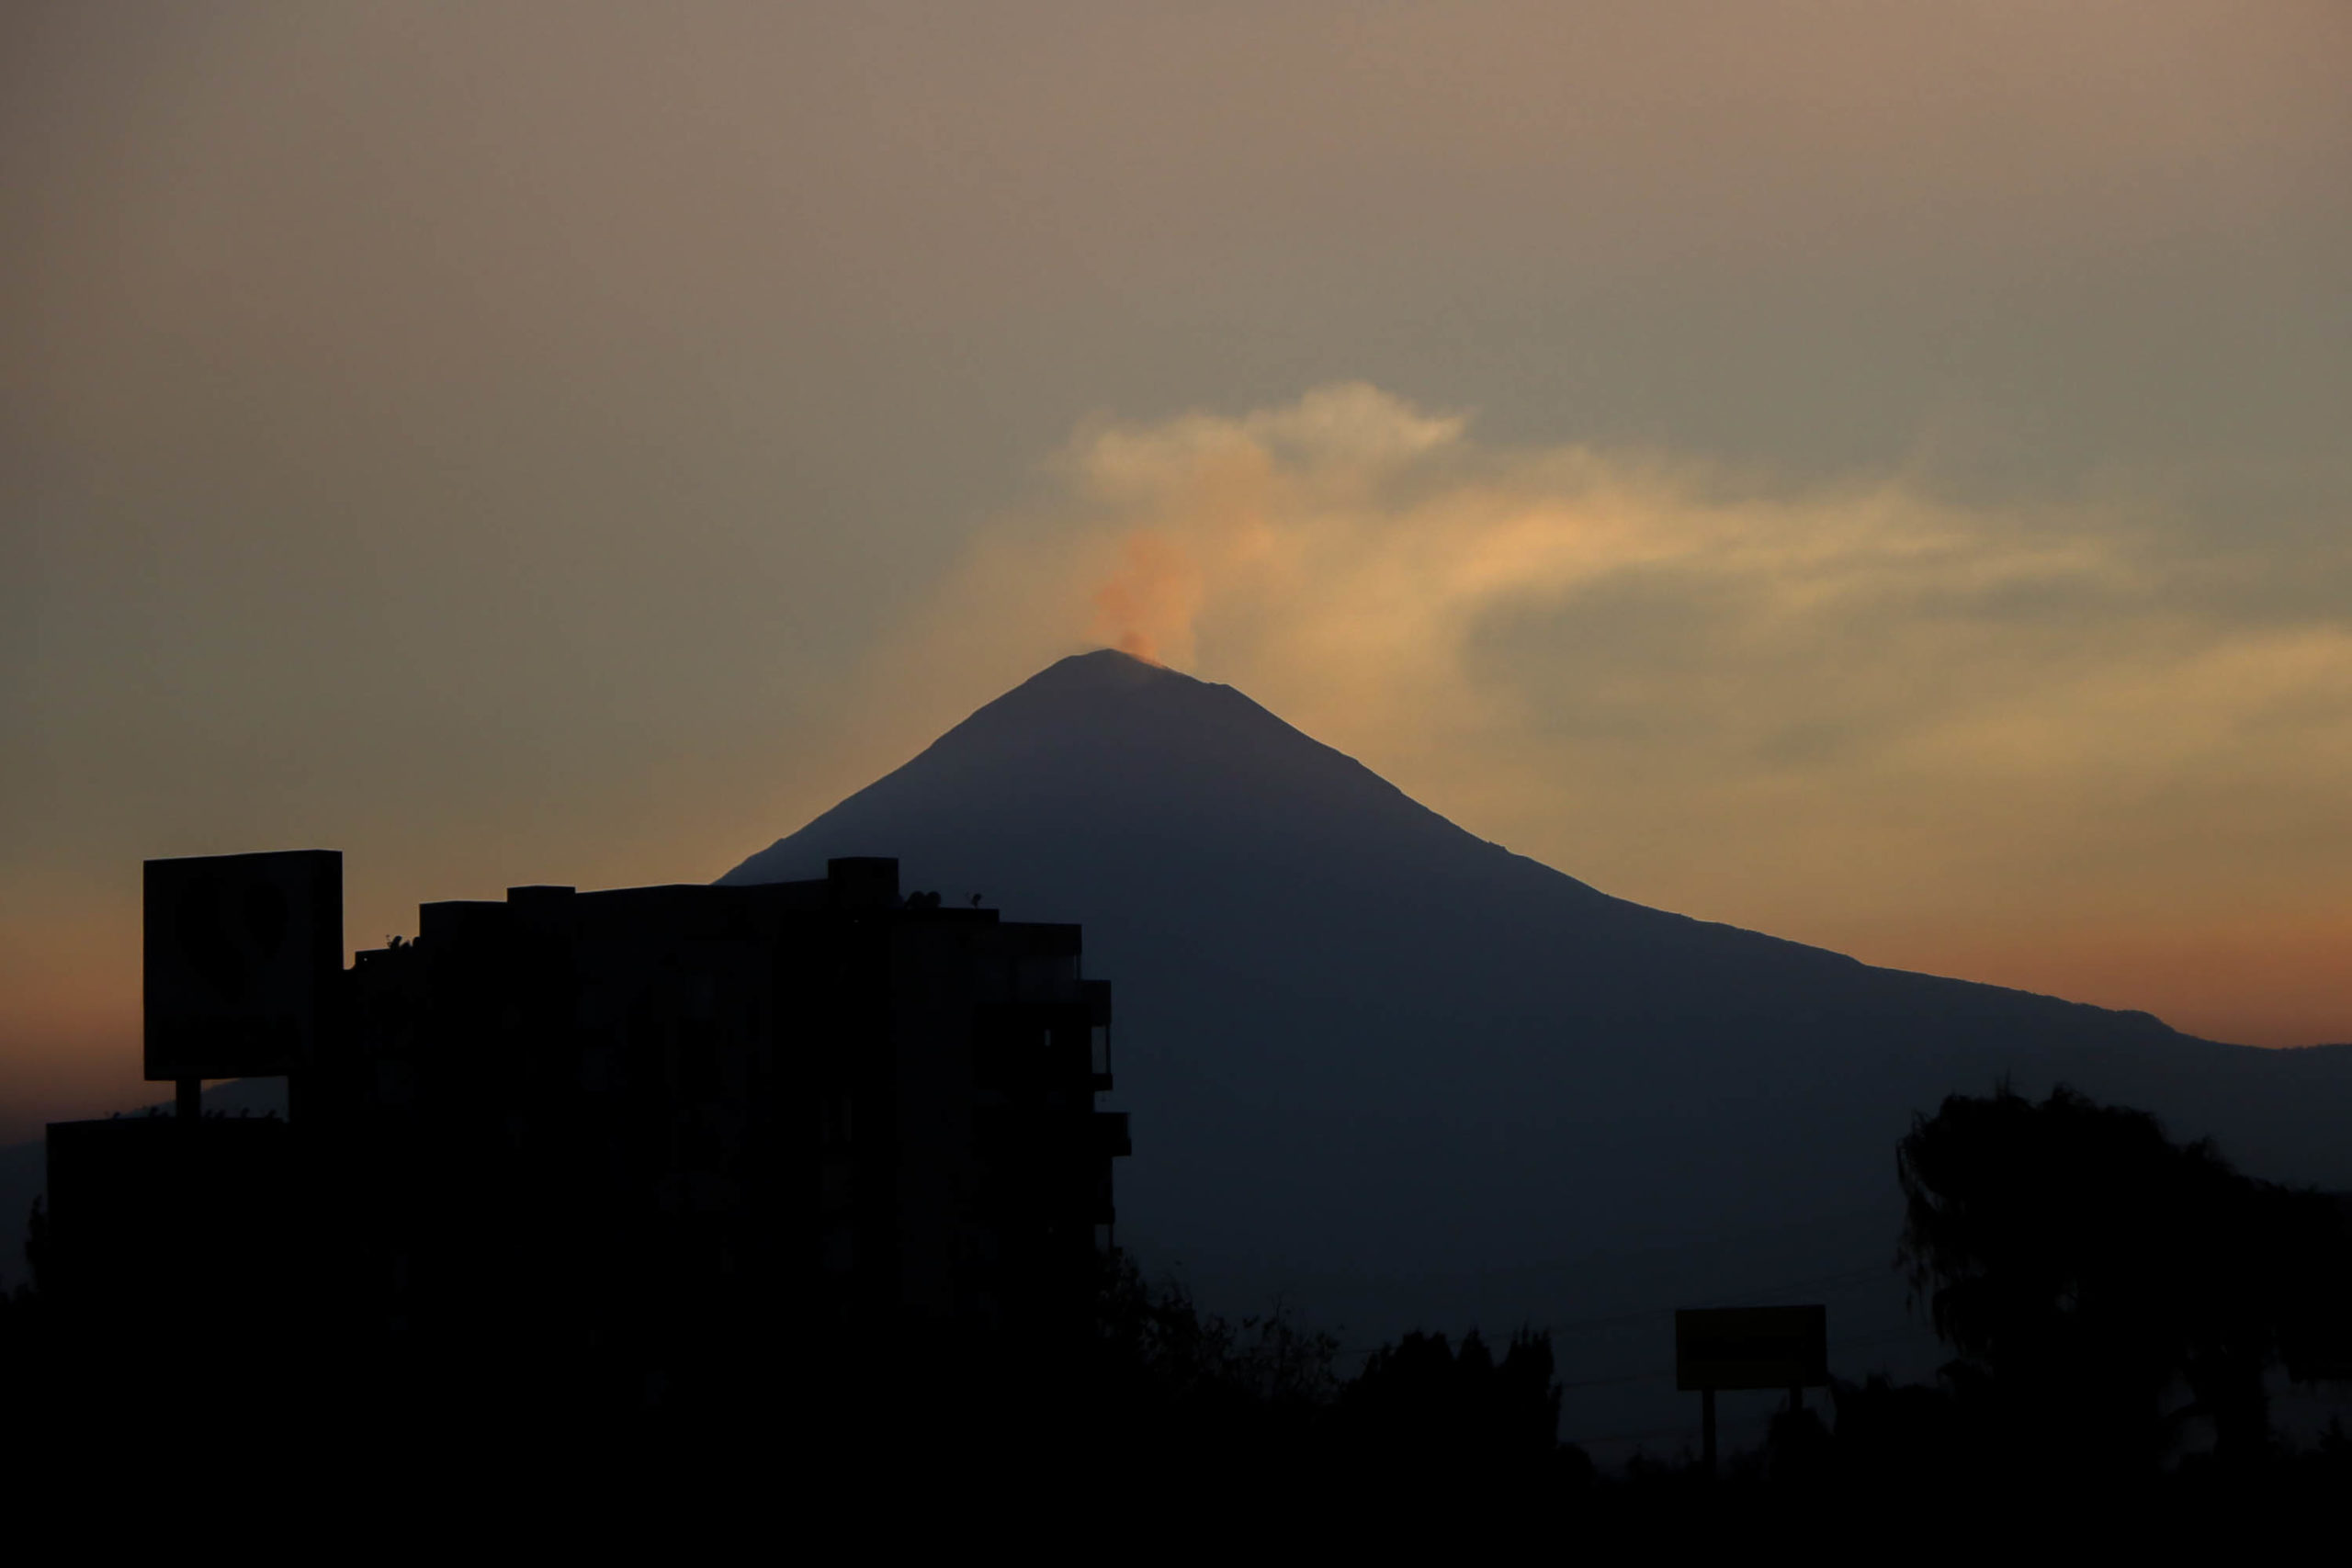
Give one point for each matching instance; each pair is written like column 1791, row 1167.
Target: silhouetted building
column 622, row 1134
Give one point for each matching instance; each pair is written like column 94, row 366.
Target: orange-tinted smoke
column 1147, row 606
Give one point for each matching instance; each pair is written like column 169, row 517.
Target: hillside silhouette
column 1391, row 1069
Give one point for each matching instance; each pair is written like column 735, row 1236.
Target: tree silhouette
column 2085, row 1268
column 1422, row 1406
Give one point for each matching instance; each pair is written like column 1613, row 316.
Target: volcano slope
column 1397, row 1075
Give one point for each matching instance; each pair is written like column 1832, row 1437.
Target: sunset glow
column 1872, row 476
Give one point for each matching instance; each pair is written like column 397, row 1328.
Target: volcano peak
column 1104, row 669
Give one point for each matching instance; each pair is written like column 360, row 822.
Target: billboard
column 242, row 955
column 1729, row 1347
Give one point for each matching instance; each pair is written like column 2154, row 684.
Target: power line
column 1852, row 1342
column 1746, row 1298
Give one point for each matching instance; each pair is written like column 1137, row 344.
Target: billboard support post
column 1752, row 1348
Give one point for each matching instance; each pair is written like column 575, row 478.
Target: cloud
column 1855, row 712
column 1365, row 555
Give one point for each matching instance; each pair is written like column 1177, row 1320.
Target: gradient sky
column 1873, row 473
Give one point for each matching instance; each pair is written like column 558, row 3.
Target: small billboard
column 242, row 955
column 1732, row 1347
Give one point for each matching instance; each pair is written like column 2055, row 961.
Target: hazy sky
column 1874, row 473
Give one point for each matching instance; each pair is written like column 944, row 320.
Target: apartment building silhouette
column 628, row 1136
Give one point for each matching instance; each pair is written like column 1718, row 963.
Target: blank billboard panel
column 242, row 955
column 1729, row 1347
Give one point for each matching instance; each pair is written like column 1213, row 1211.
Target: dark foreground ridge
column 2120, row 1308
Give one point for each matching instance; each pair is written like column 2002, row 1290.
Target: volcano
column 1395, row 1075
